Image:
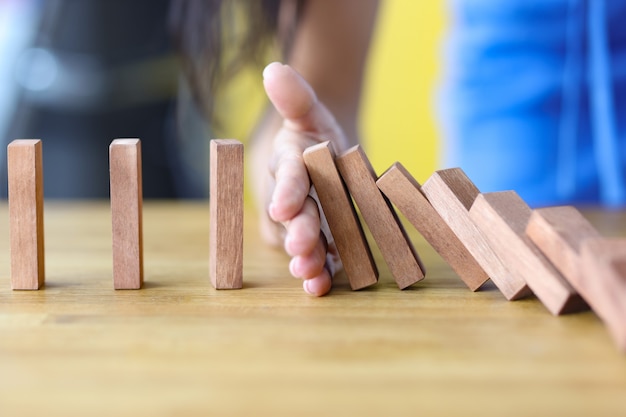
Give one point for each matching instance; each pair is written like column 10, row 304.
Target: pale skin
column 315, row 98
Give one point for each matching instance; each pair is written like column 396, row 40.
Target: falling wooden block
column 452, row 194
column 343, row 222
column 391, row 238
column 406, row 194
column 559, row 232
column 25, row 192
column 595, row 267
column 503, row 217
column 603, row 283
column 226, row 211
column 126, row 213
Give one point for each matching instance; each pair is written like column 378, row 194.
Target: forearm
column 330, row 51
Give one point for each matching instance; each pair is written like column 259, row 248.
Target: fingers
column 306, row 122
column 290, row 177
column 309, row 249
column 296, row 102
column 303, row 231
column 305, row 243
column 318, row 286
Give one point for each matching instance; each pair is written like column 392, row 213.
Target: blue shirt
column 533, row 98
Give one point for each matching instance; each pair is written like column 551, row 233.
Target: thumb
column 296, row 102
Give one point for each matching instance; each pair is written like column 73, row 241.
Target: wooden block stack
column 341, row 216
column 553, row 252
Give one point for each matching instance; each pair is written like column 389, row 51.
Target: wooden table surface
column 180, row 348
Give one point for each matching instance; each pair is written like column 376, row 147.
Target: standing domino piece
column 452, row 194
column 25, row 182
column 603, row 283
column 406, row 194
column 226, row 214
column 126, row 213
column 503, row 217
column 393, row 242
column 341, row 216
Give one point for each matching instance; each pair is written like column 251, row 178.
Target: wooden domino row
column 25, row 191
column 553, row 253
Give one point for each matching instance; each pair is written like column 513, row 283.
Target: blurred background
column 79, row 73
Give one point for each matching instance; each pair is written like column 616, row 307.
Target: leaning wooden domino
column 503, row 217
column 452, row 194
column 559, row 233
column 226, row 214
column 126, row 213
column 25, row 192
column 603, row 283
column 343, row 222
column 393, row 242
column 405, row 193
column 563, row 234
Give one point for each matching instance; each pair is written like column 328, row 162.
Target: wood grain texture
column 340, row 213
column 25, row 192
column 380, row 217
column 179, row 347
column 126, row 213
column 405, row 193
column 559, row 232
column 226, row 202
column 603, row 283
column 452, row 194
column 503, row 217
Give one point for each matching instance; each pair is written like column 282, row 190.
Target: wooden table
column 180, row 348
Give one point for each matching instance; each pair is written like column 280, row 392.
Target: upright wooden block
column 393, row 242
column 226, row 211
column 559, row 232
column 342, row 219
column 25, row 187
column 126, row 213
column 503, row 217
column 406, row 194
column 603, row 283
column 452, row 194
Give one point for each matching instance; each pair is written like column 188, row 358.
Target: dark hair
column 218, row 38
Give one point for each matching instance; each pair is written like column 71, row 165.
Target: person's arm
column 330, row 51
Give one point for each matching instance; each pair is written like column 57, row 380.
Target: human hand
column 290, row 205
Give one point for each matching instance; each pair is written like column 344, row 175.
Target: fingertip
column 273, row 212
column 319, row 285
column 271, row 69
column 291, row 95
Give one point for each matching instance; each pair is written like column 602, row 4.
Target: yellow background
column 397, row 117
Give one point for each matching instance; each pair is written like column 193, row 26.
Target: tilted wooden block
column 563, row 234
column 343, row 221
column 25, row 188
column 405, row 193
column 391, row 238
column 559, row 232
column 126, row 213
column 452, row 194
column 226, row 214
column 603, row 283
column 502, row 217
